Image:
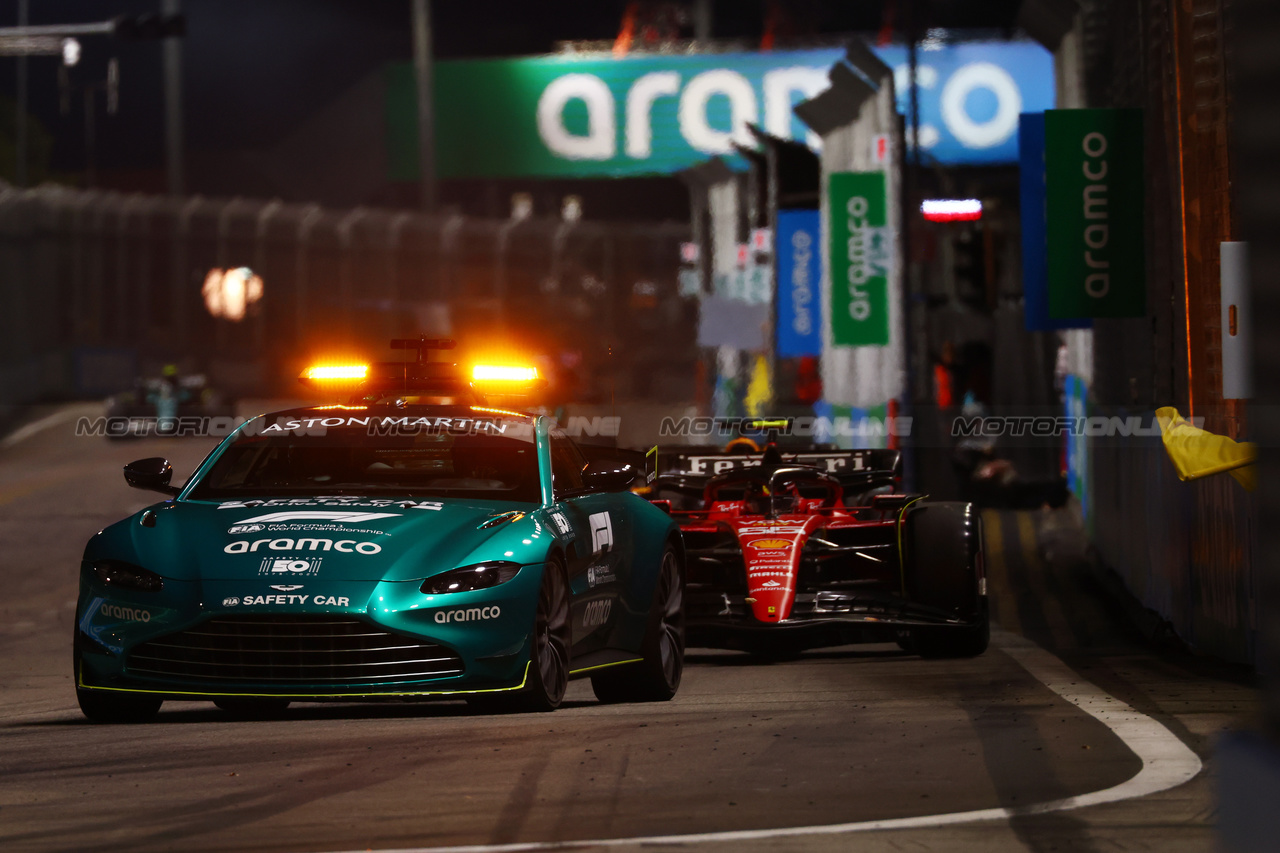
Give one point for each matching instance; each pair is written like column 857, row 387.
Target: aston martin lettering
column 377, row 425
column 290, row 566
column 597, row 612
column 132, row 614
column 470, row 614
column 345, row 546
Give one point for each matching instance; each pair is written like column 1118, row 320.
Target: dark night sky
column 254, row 69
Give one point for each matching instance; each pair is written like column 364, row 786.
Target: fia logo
column 601, row 532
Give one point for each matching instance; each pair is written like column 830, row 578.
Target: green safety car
column 412, row 542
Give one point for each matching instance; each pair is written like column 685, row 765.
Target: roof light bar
column 951, row 209
column 503, row 373
column 336, row 371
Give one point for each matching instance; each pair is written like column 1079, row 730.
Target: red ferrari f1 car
column 793, row 551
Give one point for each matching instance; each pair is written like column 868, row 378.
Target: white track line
column 1166, row 763
column 26, row 431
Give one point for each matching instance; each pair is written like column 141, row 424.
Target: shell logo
column 770, row 544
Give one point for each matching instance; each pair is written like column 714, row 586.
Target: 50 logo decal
column 290, row 566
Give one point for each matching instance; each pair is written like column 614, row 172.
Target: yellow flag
column 1196, row 453
column 760, row 389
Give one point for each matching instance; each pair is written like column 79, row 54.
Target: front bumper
column 322, row 640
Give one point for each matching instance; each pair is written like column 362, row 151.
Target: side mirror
column 152, row 474
column 608, row 475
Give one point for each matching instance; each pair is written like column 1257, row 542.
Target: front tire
column 657, row 677
column 548, row 672
column 104, row 706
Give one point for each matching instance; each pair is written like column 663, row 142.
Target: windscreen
column 493, row 461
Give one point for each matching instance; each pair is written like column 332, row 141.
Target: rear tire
column 104, row 706
column 657, row 677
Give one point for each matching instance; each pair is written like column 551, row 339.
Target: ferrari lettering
column 470, row 614
column 346, row 546
column 132, row 614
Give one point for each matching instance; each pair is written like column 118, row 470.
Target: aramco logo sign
column 654, row 114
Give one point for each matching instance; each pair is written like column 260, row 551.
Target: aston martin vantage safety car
column 788, row 551
column 411, row 543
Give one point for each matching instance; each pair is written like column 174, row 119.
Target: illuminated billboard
column 597, row 116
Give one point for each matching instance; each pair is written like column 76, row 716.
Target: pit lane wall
column 1187, row 551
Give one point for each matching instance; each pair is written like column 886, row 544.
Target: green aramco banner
column 1094, row 195
column 861, row 254
column 584, row 116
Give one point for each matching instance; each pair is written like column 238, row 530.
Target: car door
column 600, row 560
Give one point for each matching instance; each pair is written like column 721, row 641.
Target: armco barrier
column 87, row 276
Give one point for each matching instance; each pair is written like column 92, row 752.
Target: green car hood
column 327, row 540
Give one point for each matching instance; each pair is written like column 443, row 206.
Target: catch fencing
column 97, row 287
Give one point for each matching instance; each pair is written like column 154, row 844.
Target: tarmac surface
column 835, row 737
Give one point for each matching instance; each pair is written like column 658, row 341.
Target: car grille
column 281, row 650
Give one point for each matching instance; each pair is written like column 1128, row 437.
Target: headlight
column 127, row 576
column 479, row 576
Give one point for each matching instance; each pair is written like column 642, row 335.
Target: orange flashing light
column 335, row 372
column 340, row 406
column 505, row 412
column 503, row 373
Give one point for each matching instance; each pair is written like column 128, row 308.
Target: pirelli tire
column 656, row 678
column 942, row 565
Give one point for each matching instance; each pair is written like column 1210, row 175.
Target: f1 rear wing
column 686, row 462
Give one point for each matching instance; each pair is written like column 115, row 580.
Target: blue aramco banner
column 799, row 273
column 646, row 114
